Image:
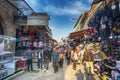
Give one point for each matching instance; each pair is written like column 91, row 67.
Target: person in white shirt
column 35, row 44
column 75, row 59
column 82, row 50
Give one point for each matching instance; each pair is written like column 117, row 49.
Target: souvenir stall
column 29, row 36
column 104, row 27
column 7, row 51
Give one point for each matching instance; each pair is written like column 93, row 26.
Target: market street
column 59, row 39
column 66, row 73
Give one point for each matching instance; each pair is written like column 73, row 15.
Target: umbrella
column 24, row 38
column 18, row 39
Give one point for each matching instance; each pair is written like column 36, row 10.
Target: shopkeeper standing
column 29, row 54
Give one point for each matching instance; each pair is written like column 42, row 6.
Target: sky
column 61, row 13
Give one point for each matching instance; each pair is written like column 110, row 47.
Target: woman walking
column 75, row 59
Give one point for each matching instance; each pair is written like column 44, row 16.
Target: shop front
column 104, row 27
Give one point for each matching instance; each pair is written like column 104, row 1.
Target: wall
column 7, row 13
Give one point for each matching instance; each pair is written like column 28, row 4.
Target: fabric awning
column 77, row 34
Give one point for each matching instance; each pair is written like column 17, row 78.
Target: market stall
column 104, row 28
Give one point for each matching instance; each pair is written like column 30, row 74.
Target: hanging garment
column 115, row 9
column 23, row 43
column 27, row 44
column 40, row 44
column 35, row 44
column 31, row 44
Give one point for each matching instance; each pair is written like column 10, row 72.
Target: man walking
column 55, row 60
column 40, row 59
column 89, row 58
column 29, row 54
column 46, row 58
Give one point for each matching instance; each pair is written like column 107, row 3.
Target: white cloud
column 34, row 4
column 72, row 9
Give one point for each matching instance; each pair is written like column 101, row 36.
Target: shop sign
column 30, row 27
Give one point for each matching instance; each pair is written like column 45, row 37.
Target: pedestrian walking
column 40, row 58
column 68, row 56
column 89, row 58
column 82, row 50
column 61, row 57
column 74, row 58
column 55, row 60
column 46, row 58
column 29, row 54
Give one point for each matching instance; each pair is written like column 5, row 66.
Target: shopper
column 55, row 60
column 46, row 58
column 75, row 59
column 89, row 58
column 61, row 57
column 82, row 50
column 40, row 58
column 29, row 54
column 68, row 56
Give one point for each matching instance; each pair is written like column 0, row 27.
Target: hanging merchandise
column 115, row 74
column 115, row 9
column 92, row 31
column 40, row 44
column 32, row 36
column 31, row 44
column 28, row 44
column 23, row 43
column 35, row 44
column 104, row 77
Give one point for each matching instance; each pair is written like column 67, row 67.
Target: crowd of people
column 80, row 54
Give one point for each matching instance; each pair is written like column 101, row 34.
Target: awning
column 22, row 6
column 77, row 34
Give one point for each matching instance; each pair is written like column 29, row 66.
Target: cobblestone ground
column 66, row 73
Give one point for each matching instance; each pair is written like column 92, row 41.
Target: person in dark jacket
column 46, row 58
column 29, row 59
column 68, row 56
column 55, row 60
column 89, row 58
column 40, row 59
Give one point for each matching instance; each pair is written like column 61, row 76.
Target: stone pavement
column 66, row 73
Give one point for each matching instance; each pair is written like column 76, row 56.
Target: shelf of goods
column 115, row 74
column 6, row 64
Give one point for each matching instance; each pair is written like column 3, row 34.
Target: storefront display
column 104, row 28
column 7, row 50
